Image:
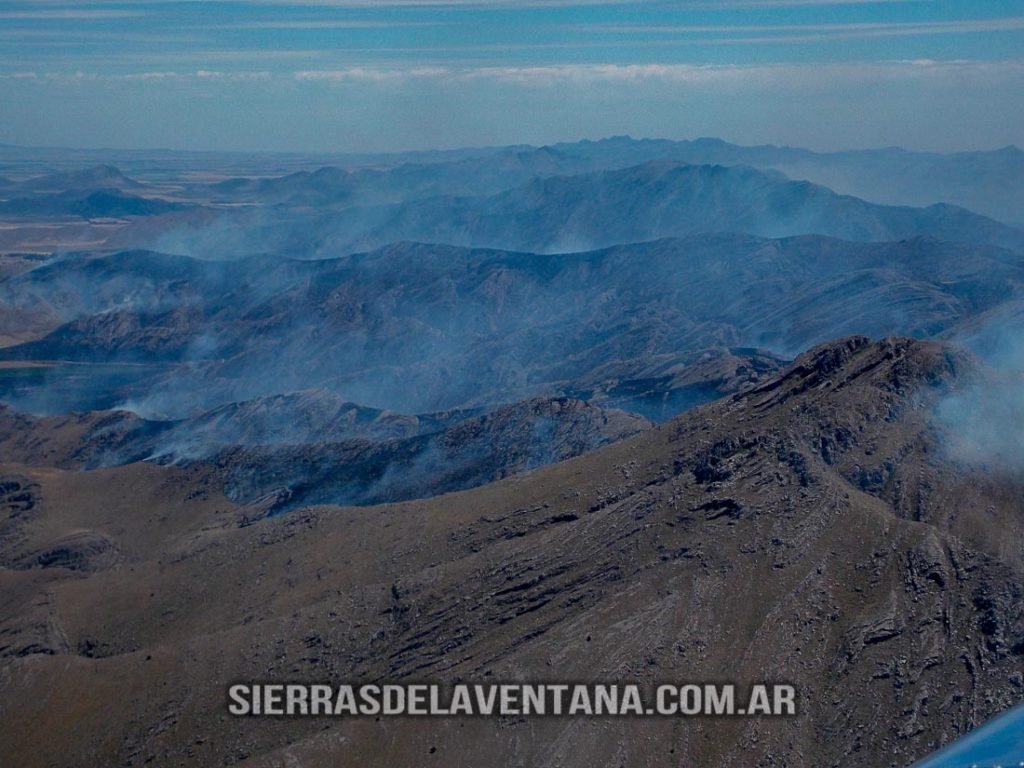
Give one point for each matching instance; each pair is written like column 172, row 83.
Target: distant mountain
column 100, row 177
column 149, row 164
column 100, row 204
column 987, row 182
column 551, row 214
column 420, row 328
column 654, row 200
column 333, row 186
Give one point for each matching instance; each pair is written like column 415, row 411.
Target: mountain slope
column 798, row 532
column 306, row 448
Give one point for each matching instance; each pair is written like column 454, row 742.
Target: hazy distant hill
column 662, row 199
column 987, row 182
column 100, row 177
column 566, row 213
column 333, row 186
column 98, row 204
column 570, row 196
column 418, row 328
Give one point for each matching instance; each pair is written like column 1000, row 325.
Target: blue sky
column 359, row 75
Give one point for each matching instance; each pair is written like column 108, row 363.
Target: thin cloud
column 325, row 24
column 668, row 73
column 68, row 13
column 373, row 75
column 728, row 4
column 813, row 32
column 155, row 76
column 568, row 74
column 371, row 4
column 466, row 4
column 483, row 4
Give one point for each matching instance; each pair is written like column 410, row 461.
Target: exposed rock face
column 809, row 531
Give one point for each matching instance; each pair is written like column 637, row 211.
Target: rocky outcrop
column 735, row 543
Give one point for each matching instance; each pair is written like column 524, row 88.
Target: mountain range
column 594, row 411
column 417, row 328
column 987, row 182
column 556, row 214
